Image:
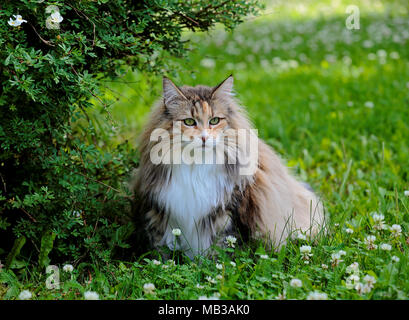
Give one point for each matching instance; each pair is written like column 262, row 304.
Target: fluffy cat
column 208, row 201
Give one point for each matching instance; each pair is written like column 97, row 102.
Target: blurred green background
column 332, row 101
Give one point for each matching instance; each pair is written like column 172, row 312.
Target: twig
column 4, row 183
column 86, row 17
column 43, row 40
column 29, row 215
column 102, row 183
column 96, row 97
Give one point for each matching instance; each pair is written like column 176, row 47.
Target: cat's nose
column 204, row 139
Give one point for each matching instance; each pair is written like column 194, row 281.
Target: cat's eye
column 214, row 121
column 189, row 122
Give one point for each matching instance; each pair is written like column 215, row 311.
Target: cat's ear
column 224, row 88
column 171, row 91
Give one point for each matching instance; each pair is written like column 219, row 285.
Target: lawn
column 334, row 103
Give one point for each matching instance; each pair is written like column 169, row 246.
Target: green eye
column 189, row 122
column 214, row 121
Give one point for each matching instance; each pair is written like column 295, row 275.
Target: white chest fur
column 193, row 192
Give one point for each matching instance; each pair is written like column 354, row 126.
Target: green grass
column 335, row 104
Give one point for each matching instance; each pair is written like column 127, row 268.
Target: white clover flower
column 91, row 295
column 394, row 55
column 306, row 253
column 56, row 17
column 219, row 266
column 264, row 256
column 149, row 288
column 176, row 232
column 349, row 231
column 210, row 279
column 316, row 295
column 156, row 262
column 336, row 259
column 25, row 295
column 282, row 296
column 199, row 286
column 370, row 242
column 353, row 268
column 352, row 281
column 230, row 241
column 369, row 280
column 300, row 236
column 233, row 263
column 305, row 249
column 219, row 277
column 406, row 193
column 324, row 266
column 385, row 247
column 296, row 283
column 208, row 63
column 379, row 221
column 68, row 268
column 369, row 104
column 396, row 230
column 171, row 263
column 342, row 253
column 395, row 259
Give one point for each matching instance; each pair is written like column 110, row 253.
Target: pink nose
column 204, row 139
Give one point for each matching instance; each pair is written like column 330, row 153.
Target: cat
column 211, row 200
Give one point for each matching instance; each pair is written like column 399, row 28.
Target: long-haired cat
column 209, row 200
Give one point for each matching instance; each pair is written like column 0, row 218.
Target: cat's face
column 199, row 112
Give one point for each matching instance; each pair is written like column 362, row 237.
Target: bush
column 59, row 193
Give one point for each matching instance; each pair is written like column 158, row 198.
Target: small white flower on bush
column 199, row 286
column 296, row 283
column 324, row 266
column 230, row 241
column 369, row 104
column 233, row 263
column 25, row 295
column 219, row 266
column 219, row 277
column 264, row 256
column 54, row 20
column 176, row 232
column 68, row 268
column 149, row 288
column 385, row 247
column 370, row 242
column 91, row 295
column 56, row 17
column 406, row 193
column 316, row 295
column 17, row 22
column 396, row 230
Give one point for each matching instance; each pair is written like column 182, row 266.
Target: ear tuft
column 171, row 91
column 224, row 88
